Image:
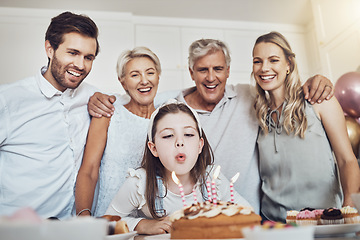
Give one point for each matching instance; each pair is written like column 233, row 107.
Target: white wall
column 23, row 31
column 337, row 36
column 22, row 44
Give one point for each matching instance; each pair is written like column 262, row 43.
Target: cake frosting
column 291, row 216
column 208, row 220
column 318, row 212
column 332, row 216
column 306, row 215
column 350, row 214
column 348, row 210
column 208, row 209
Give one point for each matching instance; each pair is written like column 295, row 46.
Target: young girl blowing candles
column 176, row 143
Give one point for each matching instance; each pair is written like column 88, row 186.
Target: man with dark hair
column 44, row 122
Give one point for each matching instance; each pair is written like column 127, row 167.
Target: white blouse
column 124, row 149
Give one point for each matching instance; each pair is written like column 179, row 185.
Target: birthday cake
column 209, row 221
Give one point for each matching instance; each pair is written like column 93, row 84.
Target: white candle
column 233, row 179
column 213, row 185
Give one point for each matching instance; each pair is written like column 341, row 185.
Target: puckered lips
column 180, row 157
column 267, row 78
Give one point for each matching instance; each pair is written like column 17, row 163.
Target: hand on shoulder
column 101, row 105
column 318, row 88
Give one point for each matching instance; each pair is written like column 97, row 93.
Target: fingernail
column 319, row 101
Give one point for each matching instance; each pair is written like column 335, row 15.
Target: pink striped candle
column 182, row 194
column 208, row 190
column 233, row 179
column 177, row 181
column 194, row 194
column 231, row 192
column 213, row 188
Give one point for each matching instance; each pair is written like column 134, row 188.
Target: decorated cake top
column 292, row 213
column 331, row 213
column 306, row 214
column 348, row 210
column 208, row 209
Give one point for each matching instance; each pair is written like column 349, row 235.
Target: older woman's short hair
column 128, row 55
column 203, row 47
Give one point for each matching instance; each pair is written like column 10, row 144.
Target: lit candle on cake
column 177, row 181
column 233, row 179
column 213, row 185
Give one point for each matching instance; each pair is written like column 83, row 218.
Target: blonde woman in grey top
column 296, row 140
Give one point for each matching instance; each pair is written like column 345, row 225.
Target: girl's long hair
column 294, row 113
column 154, row 167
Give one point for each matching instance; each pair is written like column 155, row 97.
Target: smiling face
column 210, row 74
column 177, row 143
column 71, row 62
column 269, row 67
column 141, row 80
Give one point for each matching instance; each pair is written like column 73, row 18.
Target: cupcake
column 291, row 216
column 350, row 214
column 331, row 216
column 318, row 213
column 306, row 217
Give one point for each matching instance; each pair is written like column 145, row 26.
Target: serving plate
column 123, row 236
column 72, row 229
column 336, row 229
column 167, row 236
column 158, row 237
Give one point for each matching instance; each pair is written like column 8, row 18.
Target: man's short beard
column 59, row 76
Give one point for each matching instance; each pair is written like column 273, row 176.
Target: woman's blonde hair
column 294, row 112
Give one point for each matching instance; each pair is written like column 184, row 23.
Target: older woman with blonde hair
column 117, row 143
column 297, row 140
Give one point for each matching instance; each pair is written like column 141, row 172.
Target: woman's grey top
column 295, row 172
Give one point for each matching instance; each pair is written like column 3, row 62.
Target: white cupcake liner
column 331, row 221
column 351, row 220
column 305, row 222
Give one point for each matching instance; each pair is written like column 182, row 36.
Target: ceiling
column 275, row 11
